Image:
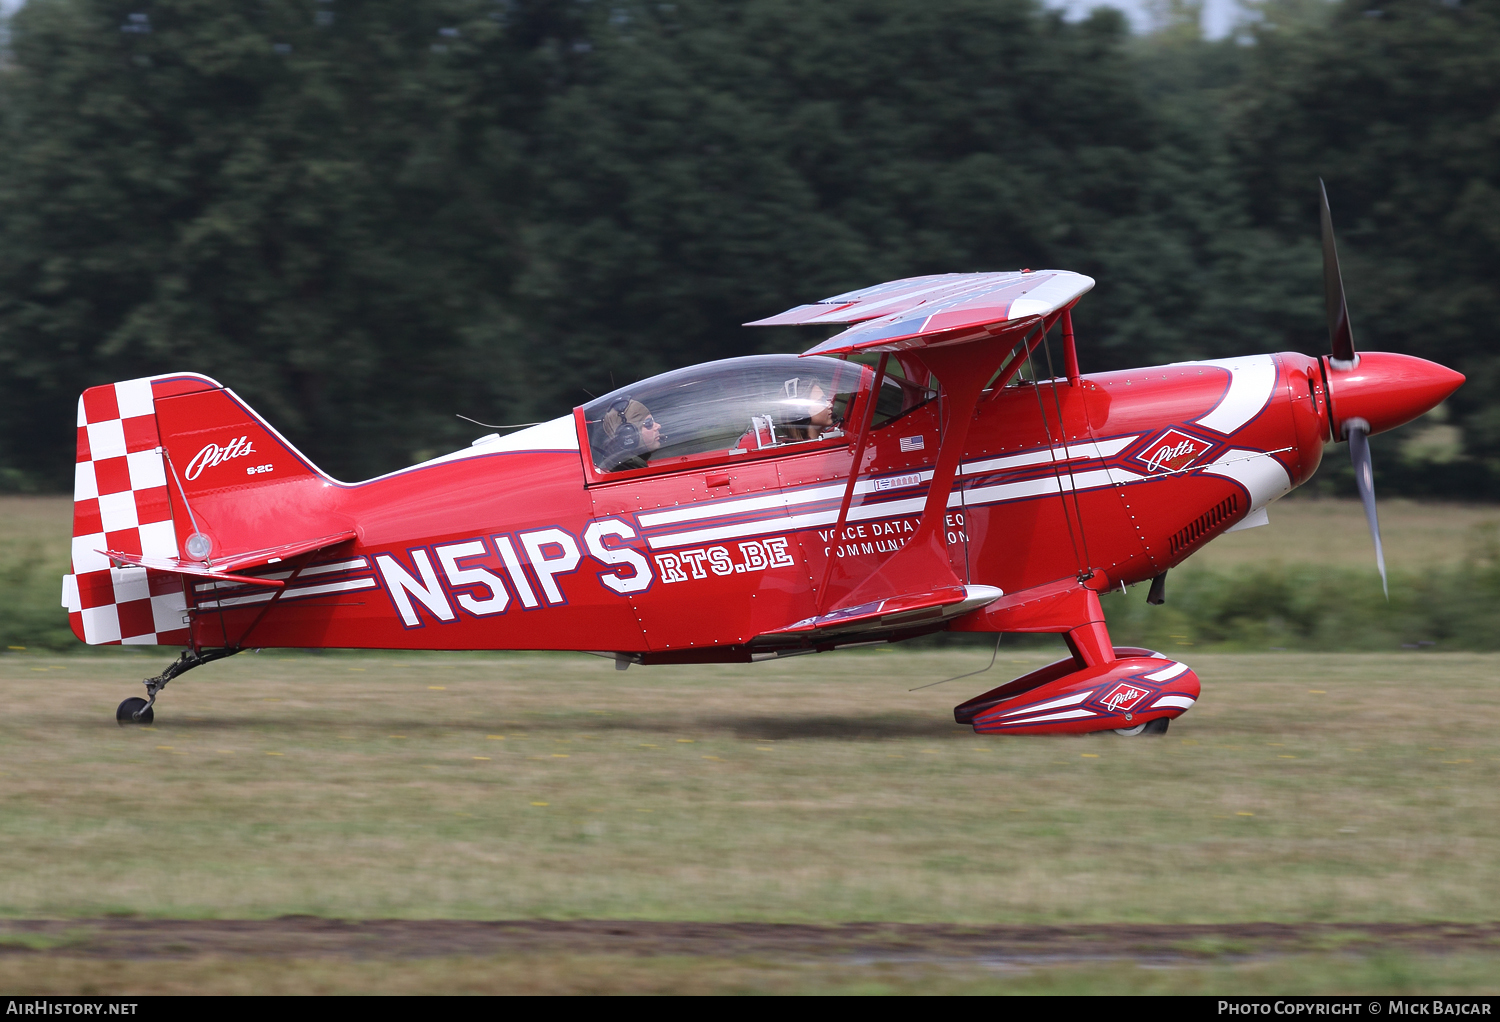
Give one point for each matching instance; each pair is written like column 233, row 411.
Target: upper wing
column 917, row 311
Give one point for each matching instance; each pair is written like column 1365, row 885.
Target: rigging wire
column 491, row 425
column 960, row 677
column 192, row 519
column 1052, row 447
column 1072, row 482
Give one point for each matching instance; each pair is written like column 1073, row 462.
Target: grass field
column 34, row 545
column 1302, row 789
column 1418, row 536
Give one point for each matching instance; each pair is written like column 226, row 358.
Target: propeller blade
column 1364, row 478
column 1339, row 333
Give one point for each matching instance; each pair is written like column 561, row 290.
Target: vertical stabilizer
column 177, row 477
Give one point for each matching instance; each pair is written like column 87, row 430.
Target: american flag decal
column 911, row 443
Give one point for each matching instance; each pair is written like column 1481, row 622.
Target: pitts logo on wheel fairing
column 1123, row 697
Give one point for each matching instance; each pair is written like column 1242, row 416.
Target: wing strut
column 859, row 455
column 1070, row 348
column 962, row 367
column 1019, row 354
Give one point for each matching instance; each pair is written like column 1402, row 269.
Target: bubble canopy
column 737, row 405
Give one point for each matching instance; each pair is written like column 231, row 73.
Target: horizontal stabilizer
column 893, row 612
column 223, row 569
column 276, row 554
column 189, row 568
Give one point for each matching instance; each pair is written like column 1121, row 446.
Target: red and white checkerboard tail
column 177, row 477
column 121, row 501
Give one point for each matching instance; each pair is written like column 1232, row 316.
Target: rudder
column 121, row 501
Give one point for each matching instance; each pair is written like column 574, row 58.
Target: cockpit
column 738, row 406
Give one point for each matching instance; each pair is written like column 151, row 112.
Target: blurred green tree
column 715, row 163
column 368, row 217
column 316, row 205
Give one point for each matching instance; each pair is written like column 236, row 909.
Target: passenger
column 631, row 433
column 810, row 411
column 803, row 413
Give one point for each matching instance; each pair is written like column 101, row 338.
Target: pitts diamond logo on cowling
column 213, row 454
column 1172, row 452
column 1123, row 697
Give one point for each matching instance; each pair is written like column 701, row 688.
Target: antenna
column 490, row 425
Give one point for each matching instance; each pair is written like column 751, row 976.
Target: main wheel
column 1151, row 727
column 126, row 712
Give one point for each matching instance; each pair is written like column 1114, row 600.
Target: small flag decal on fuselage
column 911, row 443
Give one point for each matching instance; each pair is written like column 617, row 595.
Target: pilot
column 631, row 433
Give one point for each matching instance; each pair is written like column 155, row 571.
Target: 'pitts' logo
column 1123, row 697
column 213, row 455
column 1172, row 452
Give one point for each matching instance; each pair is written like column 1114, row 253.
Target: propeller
column 1339, row 334
column 1364, row 478
column 1344, row 359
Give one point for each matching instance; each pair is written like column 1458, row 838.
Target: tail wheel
column 134, row 711
column 1151, row 727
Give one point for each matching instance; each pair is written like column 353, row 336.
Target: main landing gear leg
column 138, row 711
column 1101, row 687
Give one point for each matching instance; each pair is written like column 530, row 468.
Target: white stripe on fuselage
column 1252, row 383
column 1067, row 478
column 766, row 502
column 793, row 498
column 1252, row 380
column 1045, row 485
column 1078, row 452
column 794, row 523
column 292, row 593
column 1262, row 475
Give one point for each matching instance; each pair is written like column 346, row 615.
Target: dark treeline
column 369, row 216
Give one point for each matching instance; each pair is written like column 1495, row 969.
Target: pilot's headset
column 627, row 435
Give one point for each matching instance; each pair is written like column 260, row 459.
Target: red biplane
column 742, row 510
